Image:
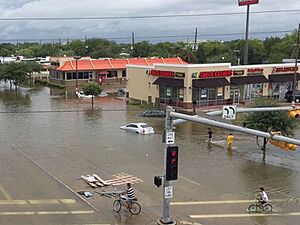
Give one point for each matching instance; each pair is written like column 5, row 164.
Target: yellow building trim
column 146, row 61
column 71, row 62
column 91, row 61
column 111, row 64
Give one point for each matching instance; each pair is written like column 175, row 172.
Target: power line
column 151, row 37
column 144, row 17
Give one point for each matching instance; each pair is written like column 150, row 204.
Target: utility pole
column 132, row 44
column 296, row 65
column 195, row 43
column 246, row 37
column 166, row 201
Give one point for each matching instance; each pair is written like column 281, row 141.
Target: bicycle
column 257, row 207
column 134, row 207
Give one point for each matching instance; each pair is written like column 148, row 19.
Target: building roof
column 110, row 64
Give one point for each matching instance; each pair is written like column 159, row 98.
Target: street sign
column 170, row 138
column 229, row 112
column 247, row 2
column 169, row 192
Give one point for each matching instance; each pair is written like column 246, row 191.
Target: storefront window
column 172, row 95
column 205, row 96
column 112, row 74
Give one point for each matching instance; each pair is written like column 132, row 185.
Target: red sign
column 161, row 73
column 224, row 73
column 247, row 2
column 255, row 70
column 283, row 69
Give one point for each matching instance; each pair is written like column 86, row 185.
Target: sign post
column 247, row 3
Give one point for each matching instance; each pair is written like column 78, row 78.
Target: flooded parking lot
column 48, row 142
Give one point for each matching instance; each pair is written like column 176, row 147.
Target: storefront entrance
column 235, row 96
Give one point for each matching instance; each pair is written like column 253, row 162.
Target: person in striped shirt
column 130, row 196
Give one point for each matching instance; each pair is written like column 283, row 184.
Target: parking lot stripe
column 44, row 201
column 13, row 202
column 45, row 213
column 208, row 216
column 223, row 202
column 5, row 193
column 37, row 202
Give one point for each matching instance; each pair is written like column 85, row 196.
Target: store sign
column 283, row 69
column 179, row 74
column 224, row 73
column 238, row 72
column 161, row 73
column 255, row 71
column 247, row 2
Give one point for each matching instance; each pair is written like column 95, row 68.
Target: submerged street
column 48, row 142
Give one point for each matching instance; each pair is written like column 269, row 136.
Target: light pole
column 296, row 65
column 76, row 67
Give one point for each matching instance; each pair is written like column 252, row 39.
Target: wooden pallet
column 120, row 179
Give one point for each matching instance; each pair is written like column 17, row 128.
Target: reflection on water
column 68, row 126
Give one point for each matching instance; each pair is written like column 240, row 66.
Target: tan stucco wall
column 139, row 84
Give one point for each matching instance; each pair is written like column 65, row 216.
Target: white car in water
column 139, row 128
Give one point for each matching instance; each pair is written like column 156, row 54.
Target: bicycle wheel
column 252, row 208
column 135, row 208
column 268, row 208
column 117, row 205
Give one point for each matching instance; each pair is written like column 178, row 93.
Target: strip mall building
column 208, row 84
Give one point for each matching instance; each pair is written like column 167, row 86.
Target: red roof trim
column 92, row 65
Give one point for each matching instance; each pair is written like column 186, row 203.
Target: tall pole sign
column 247, row 3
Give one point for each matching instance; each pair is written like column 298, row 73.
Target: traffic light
column 157, row 181
column 294, row 113
column 172, row 163
column 284, row 145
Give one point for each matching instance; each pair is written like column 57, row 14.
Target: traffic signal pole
column 166, row 201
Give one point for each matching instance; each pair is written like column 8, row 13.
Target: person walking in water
column 230, row 138
column 209, row 134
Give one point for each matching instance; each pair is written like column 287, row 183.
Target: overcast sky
column 184, row 26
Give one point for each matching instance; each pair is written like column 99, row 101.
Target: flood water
column 51, row 129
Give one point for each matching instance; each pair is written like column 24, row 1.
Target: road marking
column 208, row 216
column 189, row 180
column 221, row 202
column 45, row 213
column 44, row 201
column 5, row 194
column 13, row 202
column 37, row 202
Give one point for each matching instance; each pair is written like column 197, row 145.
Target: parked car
column 103, row 94
column 139, row 128
column 122, row 92
column 80, row 94
column 289, row 96
column 154, row 113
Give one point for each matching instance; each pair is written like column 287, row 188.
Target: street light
column 77, row 58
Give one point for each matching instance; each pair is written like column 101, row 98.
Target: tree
column 93, row 89
column 269, row 121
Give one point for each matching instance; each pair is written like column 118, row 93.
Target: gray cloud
column 141, row 27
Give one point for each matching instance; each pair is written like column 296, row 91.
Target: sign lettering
column 224, row 73
column 161, row 73
column 238, row 72
column 179, row 74
column 283, row 69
